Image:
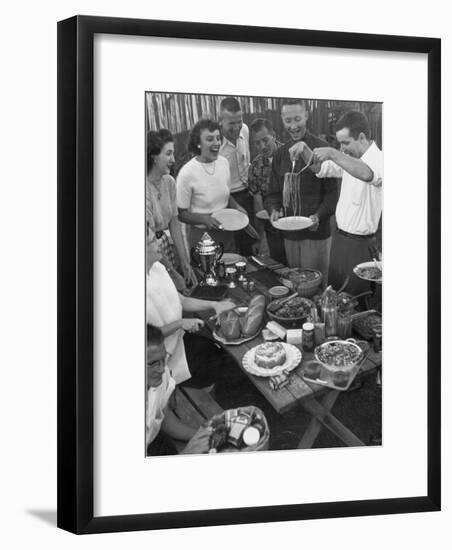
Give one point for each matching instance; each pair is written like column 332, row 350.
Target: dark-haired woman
column 204, row 186
column 161, row 207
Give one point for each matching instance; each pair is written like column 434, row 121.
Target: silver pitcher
column 206, row 255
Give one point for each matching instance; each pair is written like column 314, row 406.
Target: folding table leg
column 328, row 420
column 313, row 430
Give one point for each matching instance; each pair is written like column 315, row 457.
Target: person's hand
column 210, row 222
column 275, row 215
column 199, row 443
column 192, row 325
column 316, row 221
column 296, row 150
column 224, row 305
column 189, row 275
column 255, row 248
column 321, row 154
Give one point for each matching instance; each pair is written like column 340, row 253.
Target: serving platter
column 292, row 223
column 220, row 338
column 293, row 358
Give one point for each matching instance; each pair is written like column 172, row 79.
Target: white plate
column 293, row 359
column 263, row 215
column 293, row 223
column 230, row 258
column 368, row 264
column 231, row 219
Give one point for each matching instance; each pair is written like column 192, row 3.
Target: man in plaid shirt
column 264, row 140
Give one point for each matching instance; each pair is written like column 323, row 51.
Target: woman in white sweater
column 204, row 186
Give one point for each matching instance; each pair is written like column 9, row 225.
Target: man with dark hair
column 161, row 422
column 308, row 247
column 360, row 165
column 264, row 140
column 235, row 148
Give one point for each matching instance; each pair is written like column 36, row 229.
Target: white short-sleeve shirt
column 163, row 306
column 203, row 188
column 359, row 207
column 156, row 402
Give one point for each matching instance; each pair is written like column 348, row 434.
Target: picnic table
column 317, row 400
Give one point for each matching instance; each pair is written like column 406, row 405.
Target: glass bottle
column 329, row 312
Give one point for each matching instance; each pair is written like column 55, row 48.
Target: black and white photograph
column 264, row 273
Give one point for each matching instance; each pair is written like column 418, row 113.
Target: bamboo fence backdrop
column 179, row 112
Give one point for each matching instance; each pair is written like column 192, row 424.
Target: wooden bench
column 193, row 407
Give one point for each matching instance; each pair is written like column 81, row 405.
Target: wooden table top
column 297, row 391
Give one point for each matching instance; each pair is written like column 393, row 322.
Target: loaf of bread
column 252, row 321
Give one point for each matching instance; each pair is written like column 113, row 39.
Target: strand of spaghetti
column 307, row 165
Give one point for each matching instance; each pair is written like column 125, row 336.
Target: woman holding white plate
column 204, row 186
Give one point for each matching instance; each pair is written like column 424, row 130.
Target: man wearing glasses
column 161, row 422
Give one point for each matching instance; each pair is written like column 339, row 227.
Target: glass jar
column 308, row 336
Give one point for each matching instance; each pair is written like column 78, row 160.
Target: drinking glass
column 230, row 276
column 344, row 325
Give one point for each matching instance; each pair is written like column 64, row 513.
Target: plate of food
column 290, row 310
column 231, row 219
column 339, row 355
column 293, row 223
column 271, row 358
column 369, row 271
column 241, row 324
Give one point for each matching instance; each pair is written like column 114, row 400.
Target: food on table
column 340, row 379
column 373, row 273
column 300, row 275
column 364, row 323
column 276, row 329
column 269, row 355
column 312, row 370
column 252, row 320
column 305, row 281
column 345, row 302
column 339, row 354
column 294, row 308
column 230, row 324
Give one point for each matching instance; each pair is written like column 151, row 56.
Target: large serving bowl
column 339, row 355
column 290, row 313
column 305, row 280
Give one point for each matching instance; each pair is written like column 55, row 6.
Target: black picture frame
column 75, row 273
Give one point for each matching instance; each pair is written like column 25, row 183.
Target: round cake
column 269, row 355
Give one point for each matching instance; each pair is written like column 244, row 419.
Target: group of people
column 296, row 178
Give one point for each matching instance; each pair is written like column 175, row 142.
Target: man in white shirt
column 236, row 149
column 161, row 422
column 360, row 165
